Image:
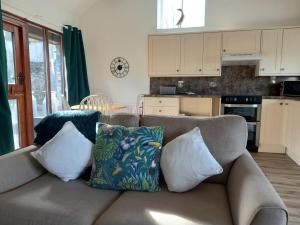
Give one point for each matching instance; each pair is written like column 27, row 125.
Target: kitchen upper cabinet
column 271, row 45
column 272, row 133
column 291, row 52
column 192, row 54
column 185, row 55
column 212, row 54
column 241, row 42
column 164, row 55
column 280, row 52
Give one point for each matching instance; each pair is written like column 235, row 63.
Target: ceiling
column 70, row 6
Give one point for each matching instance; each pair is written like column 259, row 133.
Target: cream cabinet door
column 191, row 54
column 164, row 55
column 241, row 42
column 272, row 132
column 293, row 130
column 291, row 52
column 212, row 54
column 192, row 106
column 271, row 45
column 161, row 111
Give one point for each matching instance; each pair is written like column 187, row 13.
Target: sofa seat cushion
column 50, row 201
column 205, row 205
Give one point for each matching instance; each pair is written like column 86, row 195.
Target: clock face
column 119, row 67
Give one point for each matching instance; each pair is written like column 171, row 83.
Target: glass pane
column 15, row 121
column 167, row 13
column 38, row 73
column 56, row 72
column 8, row 36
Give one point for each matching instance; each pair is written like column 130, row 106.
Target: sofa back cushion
column 18, row 168
column 226, row 136
column 123, row 119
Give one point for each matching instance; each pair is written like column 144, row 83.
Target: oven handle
column 241, row 105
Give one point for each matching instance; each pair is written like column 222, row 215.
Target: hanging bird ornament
column 181, row 17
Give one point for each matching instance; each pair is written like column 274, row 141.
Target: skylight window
column 173, row 14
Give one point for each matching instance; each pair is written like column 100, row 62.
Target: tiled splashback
column 235, row 80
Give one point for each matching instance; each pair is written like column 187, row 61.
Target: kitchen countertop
column 282, row 98
column 218, row 96
column 182, row 96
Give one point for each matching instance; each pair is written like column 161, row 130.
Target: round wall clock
column 119, row 67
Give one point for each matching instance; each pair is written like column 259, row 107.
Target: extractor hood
column 241, row 59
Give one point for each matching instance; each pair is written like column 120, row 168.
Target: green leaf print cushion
column 127, row 158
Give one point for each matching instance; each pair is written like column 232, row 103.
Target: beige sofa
column 241, row 195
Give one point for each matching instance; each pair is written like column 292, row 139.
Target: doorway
column 14, row 42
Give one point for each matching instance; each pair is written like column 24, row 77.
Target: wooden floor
column 284, row 174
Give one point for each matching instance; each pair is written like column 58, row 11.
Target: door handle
column 21, row 78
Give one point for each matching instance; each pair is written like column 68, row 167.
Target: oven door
column 251, row 112
column 253, row 136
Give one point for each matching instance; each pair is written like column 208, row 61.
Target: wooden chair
column 98, row 102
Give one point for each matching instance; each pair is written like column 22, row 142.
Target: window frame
column 46, row 32
column 24, row 24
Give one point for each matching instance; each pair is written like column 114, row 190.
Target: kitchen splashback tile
column 235, row 80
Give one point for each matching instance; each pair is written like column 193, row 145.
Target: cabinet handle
column 281, row 103
column 200, row 70
column 160, row 110
column 224, row 50
column 218, row 69
column 286, row 103
column 177, row 70
column 160, row 101
column 262, row 69
column 282, row 69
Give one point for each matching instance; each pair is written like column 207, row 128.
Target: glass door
column 16, row 82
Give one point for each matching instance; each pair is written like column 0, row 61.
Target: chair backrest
column 98, row 102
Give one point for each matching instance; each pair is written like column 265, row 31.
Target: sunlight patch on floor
column 167, row 219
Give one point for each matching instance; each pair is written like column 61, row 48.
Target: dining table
column 99, row 108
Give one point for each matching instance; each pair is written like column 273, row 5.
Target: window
column 47, row 71
column 56, row 71
column 170, row 12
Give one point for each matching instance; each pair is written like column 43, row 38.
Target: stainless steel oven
column 248, row 107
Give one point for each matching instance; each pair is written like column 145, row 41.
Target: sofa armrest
column 252, row 198
column 18, row 168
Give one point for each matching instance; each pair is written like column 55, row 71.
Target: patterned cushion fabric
column 127, row 158
column 84, row 121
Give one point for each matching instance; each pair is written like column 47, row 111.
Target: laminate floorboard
column 284, row 174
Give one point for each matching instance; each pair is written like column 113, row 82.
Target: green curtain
column 78, row 85
column 6, row 131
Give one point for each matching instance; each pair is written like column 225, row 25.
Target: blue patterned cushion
column 84, row 121
column 127, row 158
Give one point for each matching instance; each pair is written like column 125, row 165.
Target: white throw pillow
column 67, row 154
column 186, row 162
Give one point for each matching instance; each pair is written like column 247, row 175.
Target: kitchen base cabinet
column 201, row 107
column 293, row 131
column 272, row 131
column 280, row 128
column 182, row 106
column 162, row 106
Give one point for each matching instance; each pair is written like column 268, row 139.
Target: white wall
column 47, row 13
column 114, row 28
